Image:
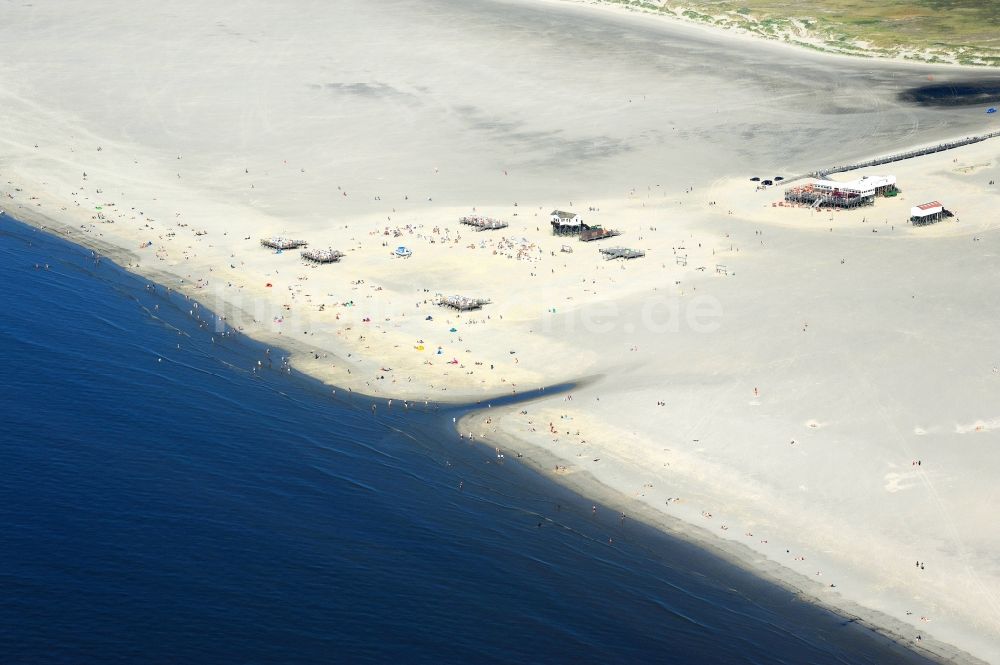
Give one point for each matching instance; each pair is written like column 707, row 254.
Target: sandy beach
column 814, row 392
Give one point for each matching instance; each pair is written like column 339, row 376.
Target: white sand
column 844, row 410
column 346, row 123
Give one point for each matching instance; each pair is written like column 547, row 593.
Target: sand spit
column 676, row 517
column 838, row 421
column 825, row 381
column 799, row 406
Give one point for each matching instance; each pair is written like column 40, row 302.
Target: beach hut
column 566, row 218
column 927, row 213
column 566, row 223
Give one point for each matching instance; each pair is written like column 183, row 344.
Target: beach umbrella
column 755, row 179
column 991, row 109
column 453, row 330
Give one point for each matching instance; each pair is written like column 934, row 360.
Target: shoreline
column 542, row 461
column 585, row 484
column 737, row 554
column 588, row 487
column 869, row 445
column 554, row 503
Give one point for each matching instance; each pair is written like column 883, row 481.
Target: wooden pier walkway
column 898, row 157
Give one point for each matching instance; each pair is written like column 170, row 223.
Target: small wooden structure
column 928, row 213
column 482, row 223
column 463, row 303
column 564, row 217
column 566, row 223
column 322, row 255
column 597, row 233
column 621, row 253
column 278, row 242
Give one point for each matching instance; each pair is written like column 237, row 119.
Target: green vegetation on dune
column 964, row 31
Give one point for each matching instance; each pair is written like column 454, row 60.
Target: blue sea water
column 162, row 503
